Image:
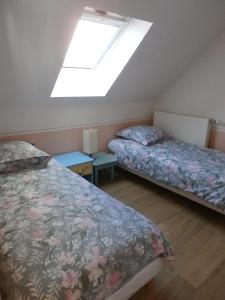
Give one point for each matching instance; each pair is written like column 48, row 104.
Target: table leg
column 96, row 176
column 112, row 173
column 92, row 177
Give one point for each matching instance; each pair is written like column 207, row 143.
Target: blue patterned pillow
column 144, row 134
column 17, row 155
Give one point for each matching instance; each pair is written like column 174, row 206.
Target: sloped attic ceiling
column 34, row 36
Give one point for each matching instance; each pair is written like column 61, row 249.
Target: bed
column 193, row 171
column 63, row 238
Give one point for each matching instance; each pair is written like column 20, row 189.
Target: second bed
column 195, row 172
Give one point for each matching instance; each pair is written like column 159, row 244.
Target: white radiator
column 189, row 129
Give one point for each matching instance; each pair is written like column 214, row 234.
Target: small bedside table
column 103, row 160
column 77, row 162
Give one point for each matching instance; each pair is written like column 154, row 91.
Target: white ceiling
column 34, row 36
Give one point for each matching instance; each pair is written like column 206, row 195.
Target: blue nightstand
column 77, row 162
column 103, row 160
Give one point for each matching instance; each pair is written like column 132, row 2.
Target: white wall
column 16, row 120
column 201, row 90
column 34, row 37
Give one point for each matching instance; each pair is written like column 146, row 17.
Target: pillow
column 17, row 155
column 144, row 134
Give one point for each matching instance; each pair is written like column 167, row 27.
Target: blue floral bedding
column 181, row 165
column 63, row 238
column 144, row 134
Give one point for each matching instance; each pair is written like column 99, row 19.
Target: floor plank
column 213, row 287
column 196, row 233
column 212, row 251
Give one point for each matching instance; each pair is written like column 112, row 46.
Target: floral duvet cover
column 200, row 171
column 63, row 238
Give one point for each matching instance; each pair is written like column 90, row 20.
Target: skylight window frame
column 76, row 83
column 105, row 19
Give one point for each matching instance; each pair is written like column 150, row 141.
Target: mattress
column 63, row 238
column 143, row 277
column 200, row 171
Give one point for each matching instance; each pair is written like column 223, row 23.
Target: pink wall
column 65, row 140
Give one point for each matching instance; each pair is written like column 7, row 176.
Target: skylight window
column 101, row 46
column 93, row 37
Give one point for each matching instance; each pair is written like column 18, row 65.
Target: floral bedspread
column 200, row 171
column 63, row 238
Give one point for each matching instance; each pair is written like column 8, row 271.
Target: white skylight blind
column 101, row 46
column 93, row 37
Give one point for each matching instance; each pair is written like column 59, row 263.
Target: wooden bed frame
column 187, row 195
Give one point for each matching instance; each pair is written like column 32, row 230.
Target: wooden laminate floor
column 196, row 233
